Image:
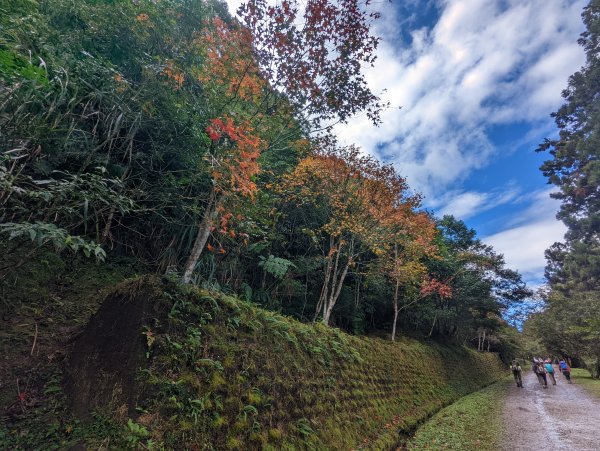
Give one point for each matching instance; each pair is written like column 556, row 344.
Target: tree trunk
column 201, row 238
column 325, row 287
column 395, row 309
column 483, row 341
column 433, row 325
column 106, row 231
column 337, row 282
column 334, row 295
column 357, row 292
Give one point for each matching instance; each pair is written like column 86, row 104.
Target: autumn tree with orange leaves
column 314, row 52
column 234, row 162
column 356, row 193
column 241, row 129
column 407, row 239
column 260, row 76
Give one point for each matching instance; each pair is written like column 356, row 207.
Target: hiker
column 538, row 368
column 550, row 370
column 565, row 369
column 517, row 370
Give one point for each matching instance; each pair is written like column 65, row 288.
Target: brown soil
column 560, row 417
column 106, row 357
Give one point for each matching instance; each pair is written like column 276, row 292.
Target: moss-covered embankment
column 218, row 373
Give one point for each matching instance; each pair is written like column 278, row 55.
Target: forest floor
column 560, row 417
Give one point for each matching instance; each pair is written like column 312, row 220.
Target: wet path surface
column 560, row 417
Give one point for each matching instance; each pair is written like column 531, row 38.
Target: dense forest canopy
column 200, row 144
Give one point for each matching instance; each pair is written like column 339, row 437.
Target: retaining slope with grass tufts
column 216, row 372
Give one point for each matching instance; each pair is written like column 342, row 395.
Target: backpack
column 563, row 365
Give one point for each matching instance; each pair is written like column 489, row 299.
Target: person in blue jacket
column 565, row 370
column 550, row 370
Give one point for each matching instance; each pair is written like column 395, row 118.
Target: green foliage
column 275, row 265
column 569, row 324
column 41, row 233
column 15, row 68
column 135, row 433
column 211, row 380
column 108, row 103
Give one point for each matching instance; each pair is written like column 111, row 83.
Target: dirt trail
column 560, row 417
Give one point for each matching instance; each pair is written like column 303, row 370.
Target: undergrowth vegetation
column 223, row 372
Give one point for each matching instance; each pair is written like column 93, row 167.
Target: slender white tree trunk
column 433, row 325
column 336, row 288
column 327, row 277
column 201, row 238
column 483, row 341
column 395, row 309
column 334, row 295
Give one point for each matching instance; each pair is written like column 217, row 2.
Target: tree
column 408, row 238
column 315, row 52
column 273, row 67
column 574, row 266
column 483, row 289
column 234, row 164
column 575, row 164
column 354, row 193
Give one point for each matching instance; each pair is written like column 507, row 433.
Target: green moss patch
column 223, row 372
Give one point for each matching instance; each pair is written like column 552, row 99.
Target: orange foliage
column 230, row 61
column 174, row 74
column 234, row 171
column 358, row 191
column 433, row 286
column 369, row 201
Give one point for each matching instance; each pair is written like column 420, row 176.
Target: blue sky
column 477, row 81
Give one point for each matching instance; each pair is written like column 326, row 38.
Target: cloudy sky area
column 477, row 81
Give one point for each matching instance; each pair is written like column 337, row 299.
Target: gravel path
column 560, row 417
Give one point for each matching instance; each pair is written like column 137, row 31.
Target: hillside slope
column 218, row 373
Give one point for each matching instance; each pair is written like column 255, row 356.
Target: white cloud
column 485, row 62
column 465, row 204
column 539, row 206
column 529, row 234
column 523, row 247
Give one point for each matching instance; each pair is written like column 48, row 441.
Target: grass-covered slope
column 219, row 373
column 473, row 423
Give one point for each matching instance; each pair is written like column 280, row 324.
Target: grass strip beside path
column 583, row 378
column 472, row 423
